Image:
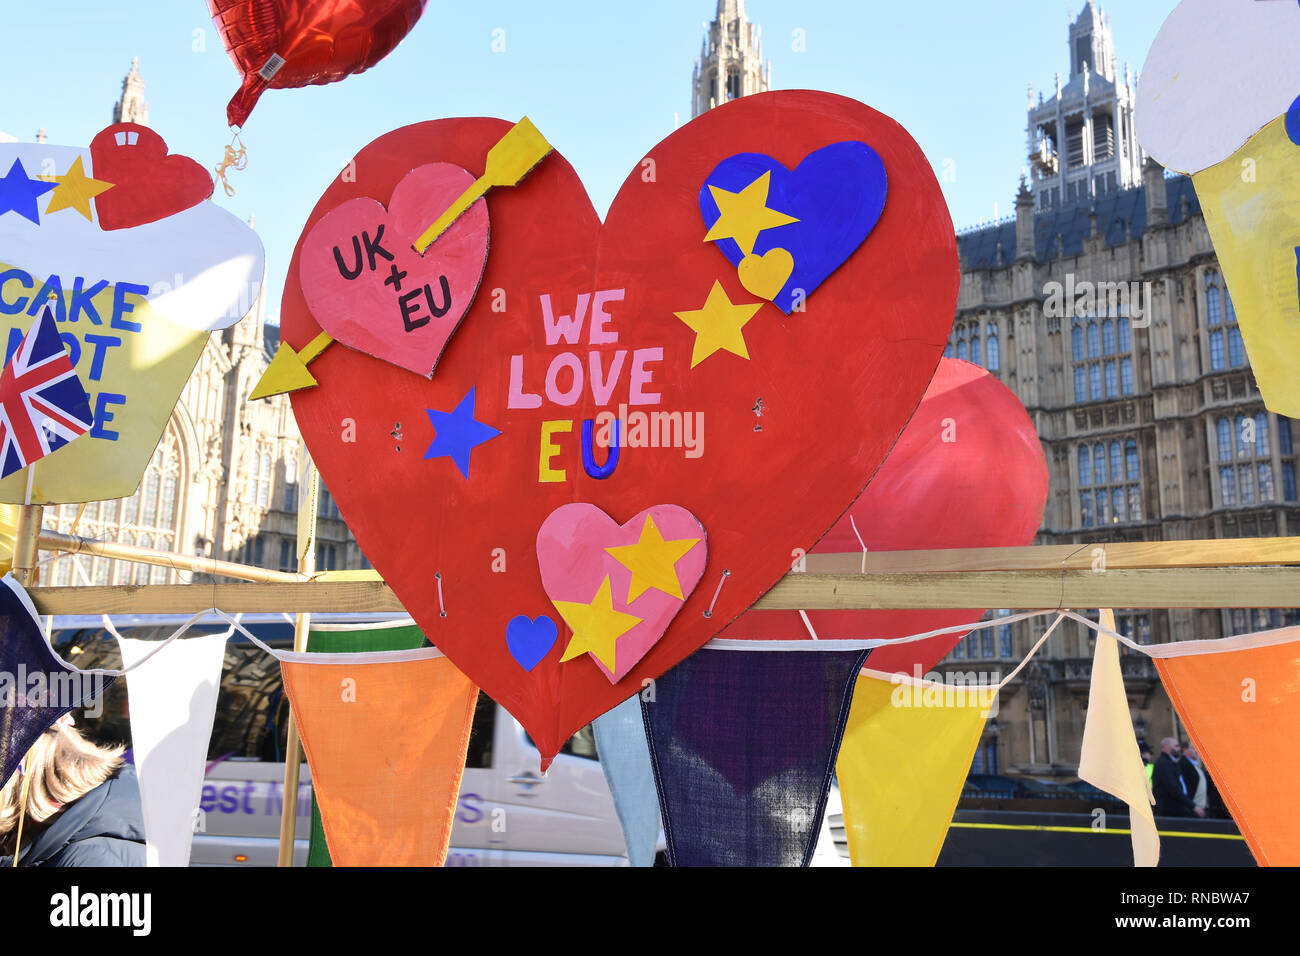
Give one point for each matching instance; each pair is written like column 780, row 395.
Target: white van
column 508, row 813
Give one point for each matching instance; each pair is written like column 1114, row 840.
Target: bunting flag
column 1110, row 759
column 743, row 747
column 1240, row 699
column 385, row 735
column 906, row 752
column 352, row 639
column 36, row 686
column 173, row 700
column 625, row 758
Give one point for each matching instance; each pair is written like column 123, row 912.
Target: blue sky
column 602, row 80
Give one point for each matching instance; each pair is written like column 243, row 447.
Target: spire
column 1024, row 221
column 731, row 61
column 730, row 10
column 132, row 108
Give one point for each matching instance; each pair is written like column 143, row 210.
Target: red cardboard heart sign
column 624, row 367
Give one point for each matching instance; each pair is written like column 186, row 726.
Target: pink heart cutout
column 571, row 549
column 390, row 306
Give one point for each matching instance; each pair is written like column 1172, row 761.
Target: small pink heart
column 368, row 287
column 618, row 587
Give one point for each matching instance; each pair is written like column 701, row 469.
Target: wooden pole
column 75, row 544
column 1172, row 587
column 309, row 482
column 25, row 547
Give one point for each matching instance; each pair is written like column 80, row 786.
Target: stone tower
column 132, row 108
column 730, row 64
column 1081, row 141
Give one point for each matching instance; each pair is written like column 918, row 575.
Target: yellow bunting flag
column 906, row 752
column 385, row 734
column 1110, row 759
column 1240, row 700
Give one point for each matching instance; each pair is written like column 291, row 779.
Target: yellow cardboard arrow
column 511, row 159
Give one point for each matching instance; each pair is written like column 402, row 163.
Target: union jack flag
column 43, row 405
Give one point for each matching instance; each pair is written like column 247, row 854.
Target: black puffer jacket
column 103, row 828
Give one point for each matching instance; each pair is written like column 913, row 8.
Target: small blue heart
column 530, row 640
column 837, row 193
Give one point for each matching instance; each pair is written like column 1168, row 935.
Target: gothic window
column 286, row 556
column 1108, row 337
column 254, row 550
column 1080, row 384
column 975, row 355
column 327, row 508
column 733, row 84
column 1245, row 440
column 1110, row 492
column 1112, row 382
column 961, row 345
column 1094, row 381
column 1223, row 434
column 994, row 348
column 152, row 513
column 1103, row 136
column 1076, row 341
column 259, row 477
column 326, row 557
column 1265, row 475
column 1125, row 337
column 1228, row 486
column 1004, row 635
column 1074, row 144
column 1226, row 347
column 1126, row 376
column 1236, row 348
column 1135, row 625
column 1094, row 342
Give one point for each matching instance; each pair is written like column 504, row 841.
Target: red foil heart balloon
column 279, row 44
column 765, row 427
column 968, row 472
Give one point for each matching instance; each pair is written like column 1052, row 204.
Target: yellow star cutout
column 718, row 325
column 652, row 561
column 75, row 190
column 743, row 215
column 596, row 626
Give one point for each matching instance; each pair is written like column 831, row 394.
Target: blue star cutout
column 18, row 192
column 456, row 433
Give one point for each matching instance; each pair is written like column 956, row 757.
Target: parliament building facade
column 1101, row 305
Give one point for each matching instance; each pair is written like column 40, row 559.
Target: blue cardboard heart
column 529, row 640
column 837, row 193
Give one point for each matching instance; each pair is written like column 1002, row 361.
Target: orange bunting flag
column 385, row 734
column 1240, row 700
